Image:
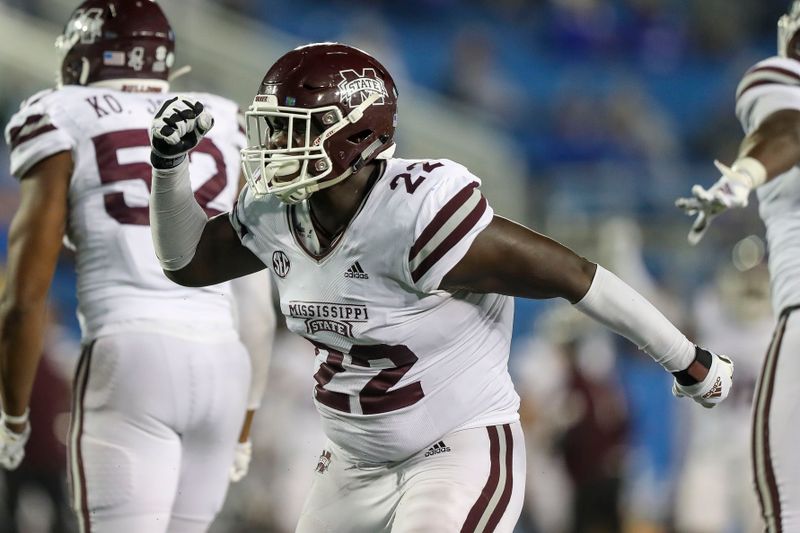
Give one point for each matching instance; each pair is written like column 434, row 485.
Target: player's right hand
column 12, row 445
column 241, row 461
column 178, row 127
column 732, row 189
column 714, row 388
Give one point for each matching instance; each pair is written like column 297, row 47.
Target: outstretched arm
column 34, row 243
column 765, row 153
column 508, row 258
column 775, row 143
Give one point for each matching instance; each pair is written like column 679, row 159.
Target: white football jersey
column 769, row 86
column 120, row 282
column 399, row 363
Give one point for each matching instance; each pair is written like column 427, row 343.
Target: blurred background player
column 162, row 390
column 712, row 492
column 768, row 107
column 398, row 272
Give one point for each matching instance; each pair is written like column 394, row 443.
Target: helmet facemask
column 788, row 27
column 304, row 154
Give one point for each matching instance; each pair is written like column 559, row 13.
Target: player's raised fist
column 178, row 127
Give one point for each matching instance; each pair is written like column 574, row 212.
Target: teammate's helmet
column 788, row 34
column 337, row 106
column 116, row 40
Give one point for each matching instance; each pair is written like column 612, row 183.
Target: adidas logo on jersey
column 355, row 271
column 439, row 447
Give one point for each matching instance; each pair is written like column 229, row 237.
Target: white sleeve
column 613, row 303
column 769, row 86
column 452, row 214
column 33, row 134
column 255, row 320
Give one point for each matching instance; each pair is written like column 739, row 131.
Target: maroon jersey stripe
column 441, row 218
column 454, row 238
column 761, row 82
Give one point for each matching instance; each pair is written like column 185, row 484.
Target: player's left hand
column 241, row 461
column 730, row 190
column 714, row 388
column 12, row 445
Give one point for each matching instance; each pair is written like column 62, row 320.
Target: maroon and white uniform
column 162, row 384
column 769, row 86
column 402, row 368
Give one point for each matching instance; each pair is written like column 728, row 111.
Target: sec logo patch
column 280, row 263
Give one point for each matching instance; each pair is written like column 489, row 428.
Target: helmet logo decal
column 136, row 58
column 355, row 88
column 114, row 59
column 86, row 23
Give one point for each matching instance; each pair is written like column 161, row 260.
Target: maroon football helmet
column 333, row 106
column 129, row 40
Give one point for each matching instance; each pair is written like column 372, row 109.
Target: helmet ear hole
column 361, row 136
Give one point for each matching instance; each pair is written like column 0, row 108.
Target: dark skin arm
column 508, row 258
column 776, row 142
column 220, row 256
column 34, row 243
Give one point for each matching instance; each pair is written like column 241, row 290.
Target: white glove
column 731, row 190
column 714, row 388
column 178, row 127
column 241, row 461
column 12, row 445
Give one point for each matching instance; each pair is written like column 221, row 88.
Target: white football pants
column 154, row 424
column 776, row 428
column 470, row 481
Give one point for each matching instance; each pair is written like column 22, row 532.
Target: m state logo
column 87, row 23
column 355, row 88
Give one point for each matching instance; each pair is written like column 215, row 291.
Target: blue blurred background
column 585, row 119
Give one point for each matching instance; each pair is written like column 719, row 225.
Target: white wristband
column 176, row 219
column 616, row 305
column 11, row 419
column 752, row 169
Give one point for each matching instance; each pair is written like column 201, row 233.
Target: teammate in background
column 398, row 272
column 768, row 106
column 161, row 388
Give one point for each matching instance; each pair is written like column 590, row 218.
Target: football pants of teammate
column 471, row 480
column 776, row 406
column 154, row 425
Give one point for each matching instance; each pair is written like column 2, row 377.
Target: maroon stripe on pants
column 768, row 380
column 480, row 505
column 80, row 394
column 498, row 512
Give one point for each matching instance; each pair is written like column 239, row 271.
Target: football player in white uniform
column 161, row 388
column 768, row 107
column 399, row 273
